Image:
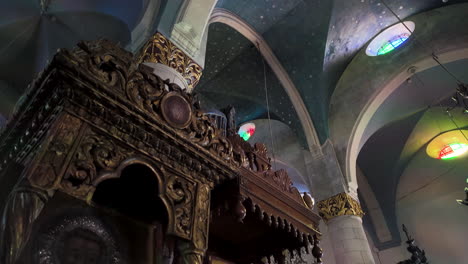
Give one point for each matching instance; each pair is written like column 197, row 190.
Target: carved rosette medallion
column 161, row 50
column 176, row 110
column 338, row 205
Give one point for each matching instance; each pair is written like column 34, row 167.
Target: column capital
column 160, row 49
column 338, row 205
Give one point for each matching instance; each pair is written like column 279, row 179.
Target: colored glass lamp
column 246, row 131
column 449, row 145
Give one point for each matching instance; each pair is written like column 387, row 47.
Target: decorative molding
column 338, row 205
column 159, row 49
column 226, row 17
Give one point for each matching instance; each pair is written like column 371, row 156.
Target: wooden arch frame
column 138, row 160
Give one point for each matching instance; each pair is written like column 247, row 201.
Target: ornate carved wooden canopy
column 95, row 110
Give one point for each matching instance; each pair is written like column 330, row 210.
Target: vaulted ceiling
column 403, row 126
column 314, row 40
column 315, row 50
column 31, row 31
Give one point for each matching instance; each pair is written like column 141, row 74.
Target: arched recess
column 368, row 81
column 226, row 17
column 135, row 187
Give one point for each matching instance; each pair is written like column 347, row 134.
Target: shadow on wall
column 426, row 205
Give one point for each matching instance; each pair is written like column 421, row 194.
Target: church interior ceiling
column 314, row 40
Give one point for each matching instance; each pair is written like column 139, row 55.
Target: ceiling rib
column 226, row 17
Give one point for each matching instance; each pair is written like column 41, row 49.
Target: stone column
column 343, row 215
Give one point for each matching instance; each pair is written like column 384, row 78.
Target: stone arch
column 368, row 81
column 226, row 17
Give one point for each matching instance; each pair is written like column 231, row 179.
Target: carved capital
column 340, row 204
column 159, row 49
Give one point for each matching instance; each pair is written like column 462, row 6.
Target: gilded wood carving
column 161, row 50
column 338, row 205
column 95, row 107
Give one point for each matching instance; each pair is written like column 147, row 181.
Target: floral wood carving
column 113, row 71
column 104, row 62
column 49, row 166
column 148, row 90
column 262, row 161
column 243, row 151
column 200, row 234
column 281, row 179
column 95, row 154
column 181, row 191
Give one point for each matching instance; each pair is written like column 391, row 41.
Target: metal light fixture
column 464, row 202
column 418, row 256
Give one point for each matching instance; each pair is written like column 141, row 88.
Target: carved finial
column 316, row 250
column 230, row 113
column 239, row 210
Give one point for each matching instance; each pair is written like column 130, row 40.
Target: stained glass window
column 391, row 38
column 246, row 131
column 453, row 150
column 392, row 44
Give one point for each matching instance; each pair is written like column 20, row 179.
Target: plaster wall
column 426, row 205
column 388, row 256
column 326, row 245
